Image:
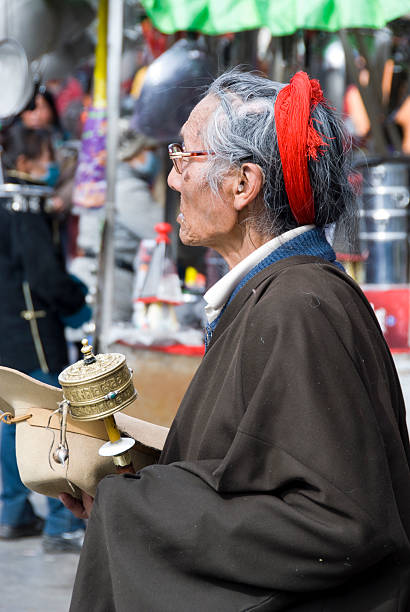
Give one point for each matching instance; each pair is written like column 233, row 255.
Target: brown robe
column 284, row 483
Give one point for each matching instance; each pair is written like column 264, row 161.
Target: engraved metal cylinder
column 99, row 388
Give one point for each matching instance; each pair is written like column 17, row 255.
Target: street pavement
column 33, row 581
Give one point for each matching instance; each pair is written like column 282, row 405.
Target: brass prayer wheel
column 98, row 385
column 95, row 388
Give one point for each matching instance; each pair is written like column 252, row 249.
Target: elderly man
column 284, row 483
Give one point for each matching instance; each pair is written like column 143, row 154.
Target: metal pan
column 15, row 70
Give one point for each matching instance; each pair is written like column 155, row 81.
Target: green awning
column 282, row 17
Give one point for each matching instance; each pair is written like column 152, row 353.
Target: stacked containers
column 384, row 220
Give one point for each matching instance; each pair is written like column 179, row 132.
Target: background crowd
column 48, row 262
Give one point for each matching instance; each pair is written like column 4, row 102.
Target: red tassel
column 298, row 140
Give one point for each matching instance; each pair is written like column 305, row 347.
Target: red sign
column 391, row 304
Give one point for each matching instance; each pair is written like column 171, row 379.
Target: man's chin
column 186, row 239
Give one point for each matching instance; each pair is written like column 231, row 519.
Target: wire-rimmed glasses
column 177, row 153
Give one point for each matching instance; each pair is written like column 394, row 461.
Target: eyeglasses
column 178, row 154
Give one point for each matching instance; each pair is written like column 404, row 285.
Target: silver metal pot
column 384, row 220
column 31, row 22
column 173, row 84
column 41, row 26
column 16, row 81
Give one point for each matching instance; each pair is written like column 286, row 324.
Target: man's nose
column 174, row 180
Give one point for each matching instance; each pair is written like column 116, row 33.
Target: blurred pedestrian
column 137, row 212
column 45, row 116
column 37, row 299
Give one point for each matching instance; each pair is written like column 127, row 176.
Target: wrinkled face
column 205, row 219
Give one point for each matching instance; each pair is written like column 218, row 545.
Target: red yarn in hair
column 298, row 140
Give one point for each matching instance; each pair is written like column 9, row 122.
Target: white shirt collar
column 218, row 294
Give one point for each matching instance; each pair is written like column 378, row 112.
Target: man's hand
column 80, row 508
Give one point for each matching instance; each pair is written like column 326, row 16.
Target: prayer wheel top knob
column 97, row 386
column 87, row 352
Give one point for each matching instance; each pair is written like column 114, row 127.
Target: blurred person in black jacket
column 38, row 298
column 43, row 114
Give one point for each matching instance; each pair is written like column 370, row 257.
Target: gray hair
column 242, row 128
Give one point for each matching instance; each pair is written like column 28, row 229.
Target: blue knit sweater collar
column 312, row 242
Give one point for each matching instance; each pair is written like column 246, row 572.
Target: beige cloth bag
column 38, row 436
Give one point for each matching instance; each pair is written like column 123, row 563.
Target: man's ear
column 248, row 185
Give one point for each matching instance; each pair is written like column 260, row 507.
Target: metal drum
column 384, row 220
column 98, row 385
